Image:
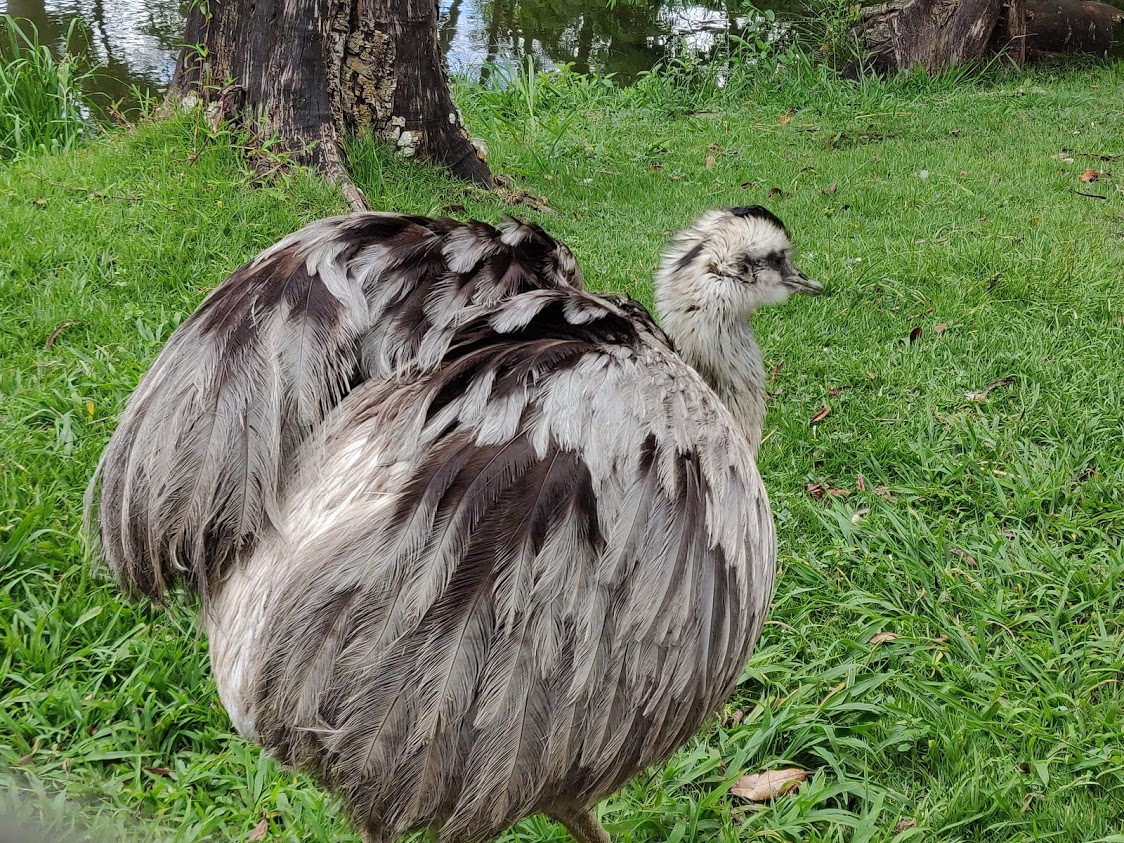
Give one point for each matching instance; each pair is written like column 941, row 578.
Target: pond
column 135, row 41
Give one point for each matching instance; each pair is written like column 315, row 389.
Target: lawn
column 945, row 652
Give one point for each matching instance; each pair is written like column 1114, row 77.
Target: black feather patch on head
column 760, row 213
column 685, row 259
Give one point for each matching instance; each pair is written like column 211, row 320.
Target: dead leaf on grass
column 858, row 514
column 823, row 413
column 831, row 188
column 884, row 636
column 784, row 118
column 158, row 771
column 940, row 329
column 860, row 482
column 904, row 825
column 965, row 555
column 1089, row 175
column 776, row 372
column 774, row 192
column 839, row 493
column 259, row 831
column 767, row 786
column 25, row 760
column 710, row 162
column 816, row 491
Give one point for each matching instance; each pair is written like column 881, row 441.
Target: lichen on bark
column 366, row 79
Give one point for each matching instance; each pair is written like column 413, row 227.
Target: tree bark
column 938, row 34
column 1066, row 26
column 311, row 72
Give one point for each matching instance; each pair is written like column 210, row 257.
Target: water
column 624, row 40
column 135, row 41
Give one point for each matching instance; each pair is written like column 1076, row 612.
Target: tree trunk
column 938, row 34
column 311, row 72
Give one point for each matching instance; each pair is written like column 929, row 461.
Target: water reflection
column 135, row 41
column 623, row 40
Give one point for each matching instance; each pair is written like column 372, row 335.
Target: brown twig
column 119, row 116
column 55, row 333
column 336, row 171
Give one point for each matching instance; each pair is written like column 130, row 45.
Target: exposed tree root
column 334, row 169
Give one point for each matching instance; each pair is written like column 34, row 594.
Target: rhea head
column 729, row 263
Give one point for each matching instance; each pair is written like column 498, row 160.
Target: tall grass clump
column 40, row 98
column 540, row 109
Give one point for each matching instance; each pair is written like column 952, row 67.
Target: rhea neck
column 718, row 343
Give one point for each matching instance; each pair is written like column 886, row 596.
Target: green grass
column 986, row 535
column 40, row 98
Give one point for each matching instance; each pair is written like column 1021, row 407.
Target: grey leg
column 580, row 822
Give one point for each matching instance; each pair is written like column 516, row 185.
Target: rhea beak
column 799, row 283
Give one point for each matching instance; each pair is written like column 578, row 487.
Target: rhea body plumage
column 472, row 542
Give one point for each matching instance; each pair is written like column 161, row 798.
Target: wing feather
column 242, row 382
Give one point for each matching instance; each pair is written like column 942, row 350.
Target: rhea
column 470, row 541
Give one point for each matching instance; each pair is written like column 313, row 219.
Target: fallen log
column 1070, row 26
column 935, row 35
column 938, row 34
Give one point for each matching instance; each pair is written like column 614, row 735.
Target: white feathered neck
column 705, row 309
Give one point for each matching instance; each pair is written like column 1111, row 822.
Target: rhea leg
column 580, row 822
